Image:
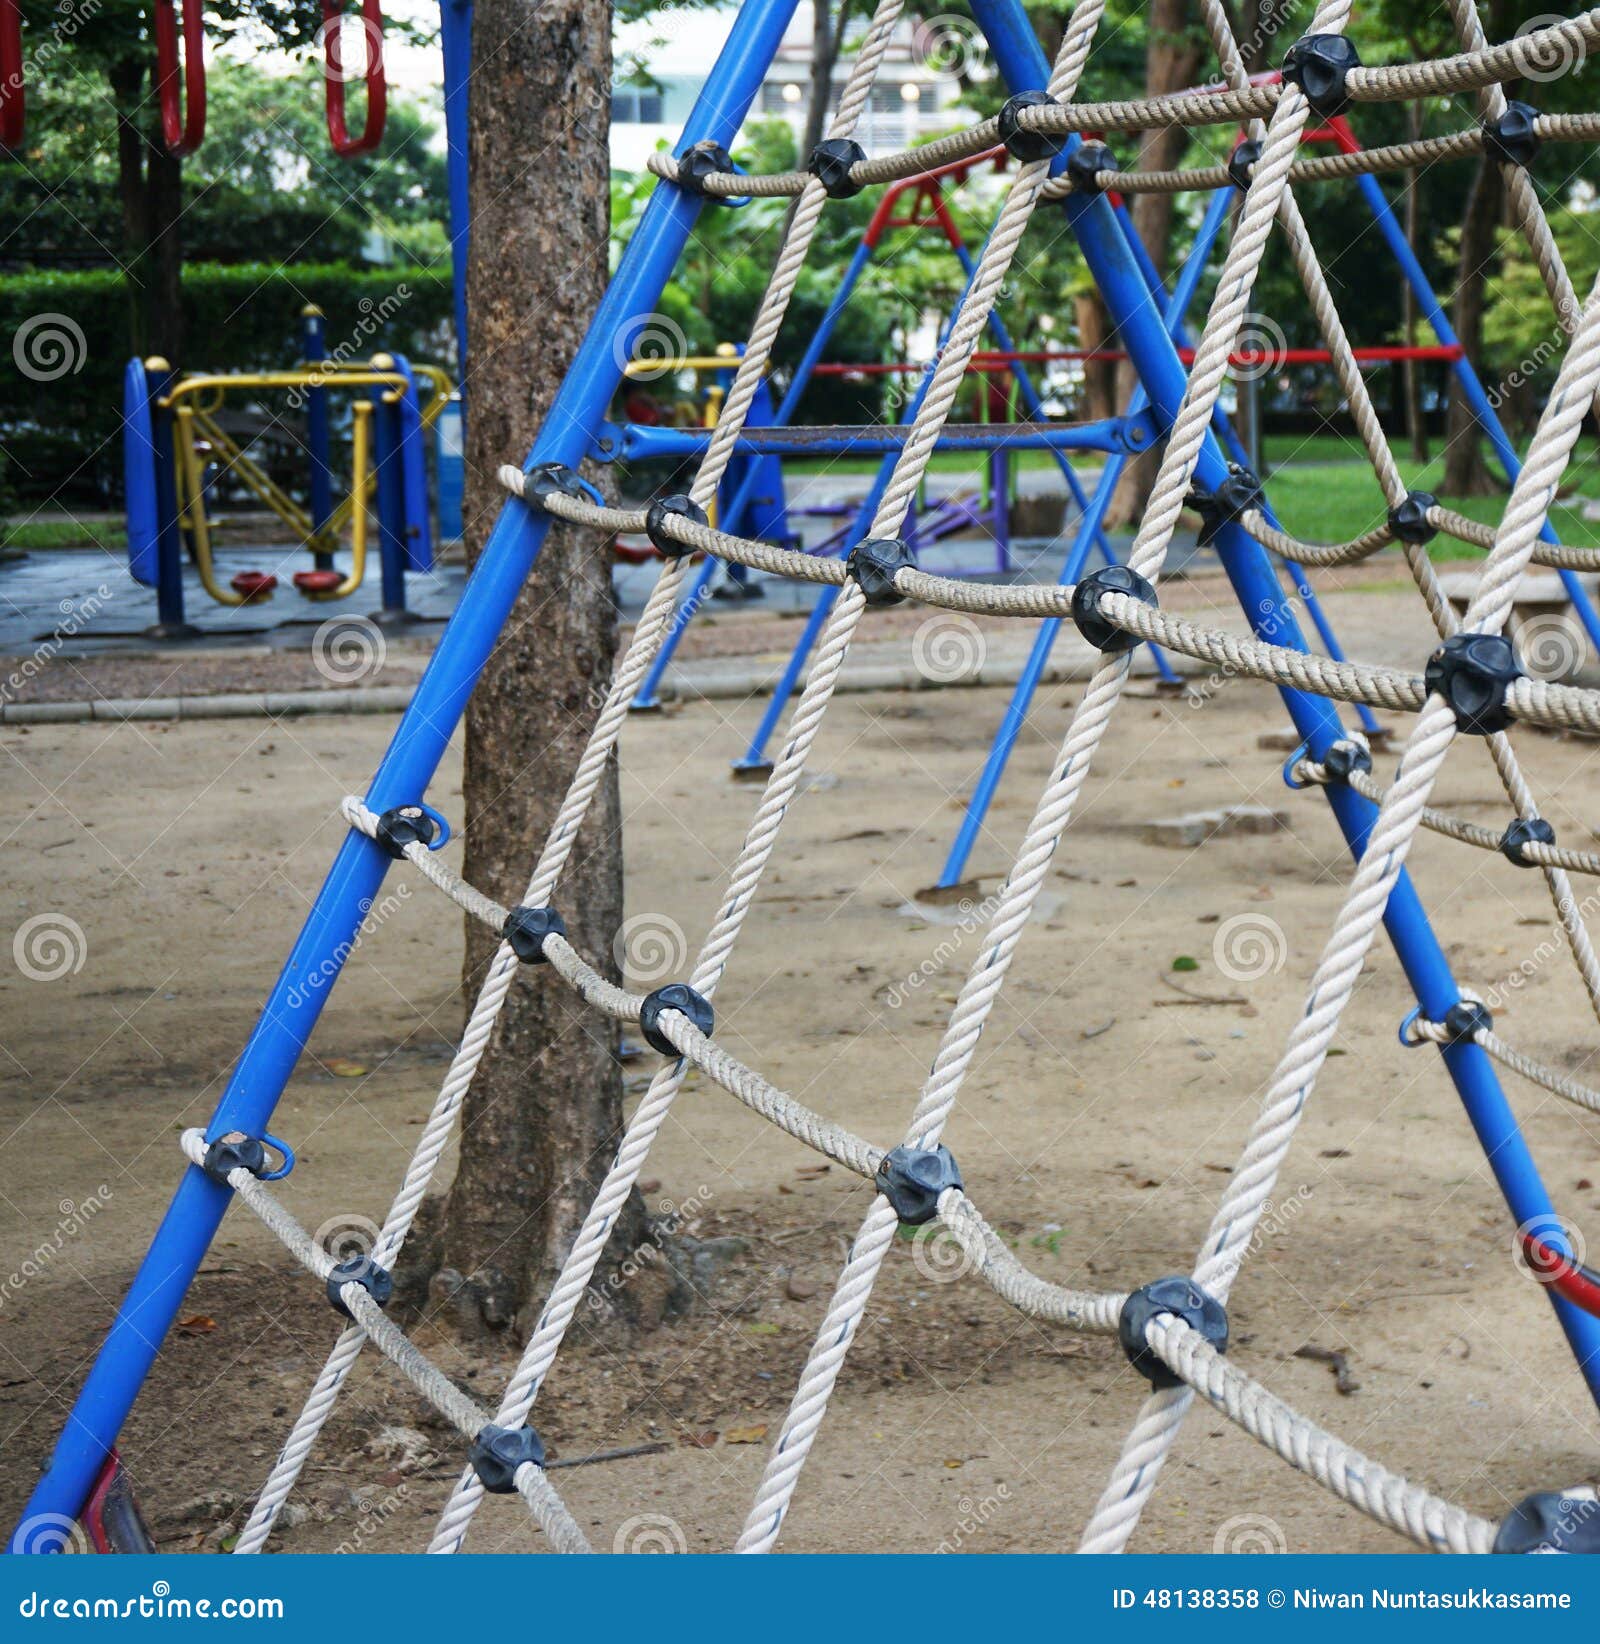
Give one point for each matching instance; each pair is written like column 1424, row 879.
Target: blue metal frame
column 319, row 437
column 301, row 990
column 407, row 767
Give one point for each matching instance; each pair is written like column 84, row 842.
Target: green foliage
column 264, row 184
column 61, row 437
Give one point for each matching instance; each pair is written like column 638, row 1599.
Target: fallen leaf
column 698, row 1441
column 748, row 1435
column 762, row 1329
column 1185, row 962
column 197, row 1324
column 341, row 1067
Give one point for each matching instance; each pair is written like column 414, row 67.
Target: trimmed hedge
column 60, row 437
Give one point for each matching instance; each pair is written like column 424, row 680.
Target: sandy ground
column 1108, row 1102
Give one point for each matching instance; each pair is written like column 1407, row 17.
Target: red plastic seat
column 317, row 582
column 254, row 584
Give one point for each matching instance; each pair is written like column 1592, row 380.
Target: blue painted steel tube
column 647, row 440
column 314, row 351
column 403, row 775
column 455, row 39
column 1116, row 273
column 389, row 484
column 1483, row 412
column 1089, row 532
column 169, row 539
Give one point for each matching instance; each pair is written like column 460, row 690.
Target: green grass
column 41, row 535
column 1329, row 501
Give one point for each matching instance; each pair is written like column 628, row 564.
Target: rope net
column 1173, row 1340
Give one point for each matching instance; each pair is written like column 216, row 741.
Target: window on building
column 636, row 108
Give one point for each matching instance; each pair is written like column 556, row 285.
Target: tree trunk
column 1465, row 472
column 1099, row 376
column 1172, row 58
column 826, row 38
column 150, row 188
column 541, row 1124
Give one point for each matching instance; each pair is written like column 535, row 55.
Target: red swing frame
column 377, row 86
column 11, row 84
column 180, row 87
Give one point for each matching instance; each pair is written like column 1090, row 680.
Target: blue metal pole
column 1116, row 273
column 646, row 440
column 455, row 39
column 170, row 620
column 389, row 483
column 1089, row 531
column 403, row 775
column 314, row 351
column 1483, row 411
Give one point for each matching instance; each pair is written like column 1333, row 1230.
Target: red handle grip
column 181, row 88
column 377, row 87
column 11, row 87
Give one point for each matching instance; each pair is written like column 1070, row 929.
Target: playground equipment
column 1173, row 1330
column 167, row 419
column 334, row 80
column 181, row 85
column 13, row 121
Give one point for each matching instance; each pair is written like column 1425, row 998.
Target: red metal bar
column 1578, row 1284
column 11, row 82
column 335, row 76
column 181, row 89
column 926, row 183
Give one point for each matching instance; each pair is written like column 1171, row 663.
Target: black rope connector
column 1184, row 1299
column 526, row 929
column 1029, row 145
column 1343, row 759
column 685, row 507
column 1320, row 65
column 1105, row 635
column 1085, row 164
column 1409, row 522
column 872, row 565
column 1465, row 1019
column 704, row 160
column 912, row 1178
column 830, row 164
column 405, row 825
column 377, row 1281
column 674, row 996
column 1525, row 830
column 1473, row 672
column 497, row 1452
column 548, row 479
column 234, row 1153
column 1238, row 493
column 1512, row 139
column 1552, row 1521
column 1244, row 156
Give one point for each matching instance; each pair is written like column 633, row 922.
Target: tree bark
column 1465, row 472
column 541, row 1124
column 1172, row 58
column 1099, row 376
column 150, row 190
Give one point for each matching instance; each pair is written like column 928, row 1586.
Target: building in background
column 915, row 96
